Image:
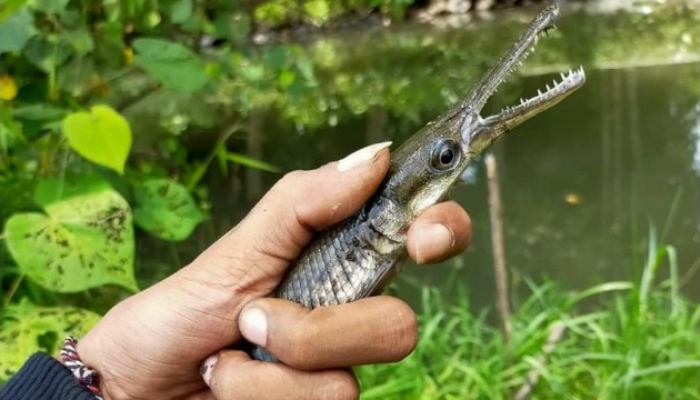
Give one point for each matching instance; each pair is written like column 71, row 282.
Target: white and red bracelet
column 87, row 377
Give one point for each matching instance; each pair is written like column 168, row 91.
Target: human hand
column 151, row 346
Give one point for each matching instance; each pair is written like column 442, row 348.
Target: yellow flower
column 128, row 55
column 573, row 199
column 8, row 88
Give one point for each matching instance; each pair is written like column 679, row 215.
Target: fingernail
column 208, row 367
column 434, row 241
column 361, row 157
column 253, row 326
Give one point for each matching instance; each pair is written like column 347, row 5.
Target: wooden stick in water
column 499, row 259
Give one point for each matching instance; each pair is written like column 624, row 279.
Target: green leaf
column 77, row 76
column 251, row 162
column 53, row 190
column 286, row 78
column 252, row 72
column 102, row 136
column 166, row 210
column 277, row 57
column 181, row 11
column 173, row 64
column 16, row 30
column 24, row 325
column 10, row 130
column 8, row 7
column 81, row 242
column 318, row 11
column 49, row 6
column 80, row 40
column 38, row 112
column 47, row 53
column 234, row 27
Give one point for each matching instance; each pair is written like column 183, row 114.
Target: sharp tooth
column 555, row 83
column 547, row 85
column 539, row 92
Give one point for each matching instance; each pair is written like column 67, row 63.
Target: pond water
column 582, row 185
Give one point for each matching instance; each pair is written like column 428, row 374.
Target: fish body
column 360, row 256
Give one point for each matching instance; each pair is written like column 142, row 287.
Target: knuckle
column 405, row 339
column 343, row 386
column 296, row 352
column 290, row 180
column 226, row 379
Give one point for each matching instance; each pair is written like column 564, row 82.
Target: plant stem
column 11, row 292
column 201, row 169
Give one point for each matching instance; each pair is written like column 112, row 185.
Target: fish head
column 428, row 164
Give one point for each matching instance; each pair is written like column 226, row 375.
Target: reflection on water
column 696, row 138
column 582, row 184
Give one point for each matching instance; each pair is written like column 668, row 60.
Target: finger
column 442, row 231
column 235, row 376
column 283, row 222
column 373, row 330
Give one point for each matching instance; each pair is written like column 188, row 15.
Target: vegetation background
column 83, row 174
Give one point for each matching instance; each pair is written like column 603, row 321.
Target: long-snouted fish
column 360, row 256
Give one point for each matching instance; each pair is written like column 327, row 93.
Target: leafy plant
column 165, row 209
column 102, row 136
column 28, row 328
column 80, row 242
column 172, row 64
column 74, row 187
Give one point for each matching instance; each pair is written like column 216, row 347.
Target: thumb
column 278, row 228
column 373, row 330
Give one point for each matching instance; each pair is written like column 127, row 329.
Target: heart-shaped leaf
column 81, row 242
column 102, row 136
column 25, row 327
column 165, row 209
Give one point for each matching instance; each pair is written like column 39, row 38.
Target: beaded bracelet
column 87, row 377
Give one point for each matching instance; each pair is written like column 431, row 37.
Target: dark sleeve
column 44, row 378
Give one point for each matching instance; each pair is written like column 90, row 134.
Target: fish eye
column 445, row 155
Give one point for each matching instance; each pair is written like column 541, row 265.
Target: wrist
column 93, row 351
column 85, row 376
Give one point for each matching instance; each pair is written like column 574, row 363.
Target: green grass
column 623, row 340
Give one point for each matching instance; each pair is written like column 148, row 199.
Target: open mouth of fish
column 477, row 132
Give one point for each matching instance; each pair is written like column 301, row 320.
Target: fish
column 360, row 256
